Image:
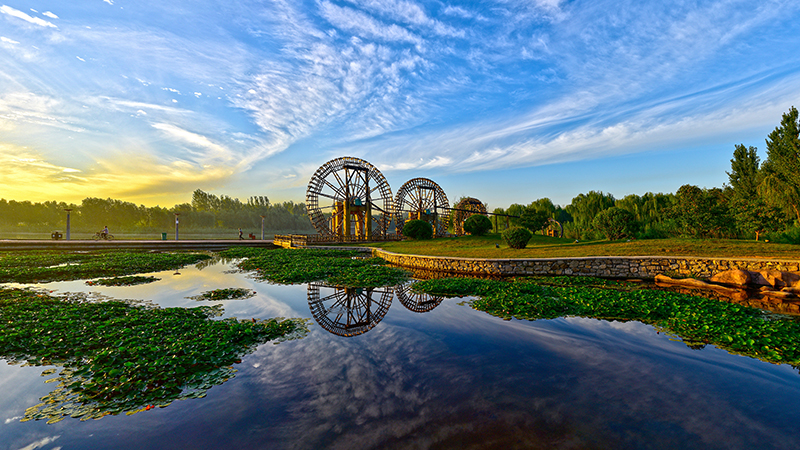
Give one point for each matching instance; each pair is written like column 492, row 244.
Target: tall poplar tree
column 744, row 172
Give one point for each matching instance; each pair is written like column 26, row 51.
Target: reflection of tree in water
column 346, row 311
column 416, row 302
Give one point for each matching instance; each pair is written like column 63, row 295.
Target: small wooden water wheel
column 360, row 199
column 553, row 228
column 464, row 209
column 346, row 311
column 422, row 199
column 414, row 302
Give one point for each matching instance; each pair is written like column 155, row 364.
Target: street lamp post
column 262, row 228
column 176, row 225
column 67, row 210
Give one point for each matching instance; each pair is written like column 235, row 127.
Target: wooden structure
column 360, row 200
column 464, row 209
column 421, row 199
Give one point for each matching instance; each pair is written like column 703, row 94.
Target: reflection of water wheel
column 348, row 311
column 416, row 302
column 464, row 209
column 423, row 199
column 361, row 200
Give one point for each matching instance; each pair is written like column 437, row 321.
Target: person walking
column 240, row 234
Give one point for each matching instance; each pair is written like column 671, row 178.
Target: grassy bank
column 548, row 247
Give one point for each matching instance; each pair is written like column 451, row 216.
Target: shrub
column 477, row 225
column 517, row 237
column 614, row 223
column 789, row 236
column 417, row 229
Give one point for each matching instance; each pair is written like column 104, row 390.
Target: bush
column 654, row 231
column 789, row 236
column 477, row 225
column 417, row 229
column 517, row 237
column 614, row 223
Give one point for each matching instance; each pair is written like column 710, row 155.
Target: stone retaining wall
column 643, row 267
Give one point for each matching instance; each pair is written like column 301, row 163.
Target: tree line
column 206, row 211
column 760, row 199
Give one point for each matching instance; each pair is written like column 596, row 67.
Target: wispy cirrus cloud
column 409, row 13
column 357, row 22
column 5, row 9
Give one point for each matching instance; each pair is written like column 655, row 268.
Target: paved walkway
column 75, row 244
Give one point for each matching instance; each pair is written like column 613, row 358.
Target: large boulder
column 775, row 278
column 691, row 283
column 735, row 277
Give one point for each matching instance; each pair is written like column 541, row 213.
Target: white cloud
column 410, row 13
column 361, row 24
column 80, row 59
column 7, row 40
column 50, row 15
column 110, row 2
column 40, row 443
column 21, row 15
column 193, row 139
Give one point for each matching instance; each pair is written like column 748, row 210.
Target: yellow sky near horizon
column 129, row 176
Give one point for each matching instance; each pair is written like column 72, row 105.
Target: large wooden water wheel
column 350, row 198
column 464, row 209
column 422, row 199
column 348, row 311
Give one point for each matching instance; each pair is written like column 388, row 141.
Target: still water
column 399, row 371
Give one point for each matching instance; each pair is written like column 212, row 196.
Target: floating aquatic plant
column 131, row 280
column 225, row 294
column 117, row 357
column 335, row 267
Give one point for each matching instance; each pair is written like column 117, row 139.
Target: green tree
column 744, row 174
column 585, row 206
column 515, row 211
column 754, row 216
column 615, row 223
column 534, row 219
column 701, row 213
column 499, row 220
column 781, row 184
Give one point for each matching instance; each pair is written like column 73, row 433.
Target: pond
column 395, row 370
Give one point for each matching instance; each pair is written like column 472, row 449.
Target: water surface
column 450, row 377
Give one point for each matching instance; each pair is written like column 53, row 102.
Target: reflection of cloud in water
column 572, row 383
column 171, row 291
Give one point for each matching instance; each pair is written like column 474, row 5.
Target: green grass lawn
column 548, row 247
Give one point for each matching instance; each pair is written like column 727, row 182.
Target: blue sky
column 507, row 101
